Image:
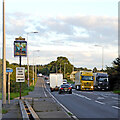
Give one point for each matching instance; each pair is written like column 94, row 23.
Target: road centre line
column 99, row 102
column 82, row 96
column 116, row 107
column 114, row 98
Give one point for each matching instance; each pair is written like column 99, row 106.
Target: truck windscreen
column 87, row 78
column 103, row 79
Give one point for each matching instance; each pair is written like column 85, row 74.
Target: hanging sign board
column 20, row 48
column 20, row 74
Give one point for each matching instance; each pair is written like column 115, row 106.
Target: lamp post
column 28, row 57
column 102, row 54
column 35, row 67
column 4, row 58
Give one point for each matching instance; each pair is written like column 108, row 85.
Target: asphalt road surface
column 90, row 104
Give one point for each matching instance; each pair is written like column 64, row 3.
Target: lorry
column 84, row 80
column 101, row 81
column 56, row 80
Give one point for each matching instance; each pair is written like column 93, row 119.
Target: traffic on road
column 97, row 103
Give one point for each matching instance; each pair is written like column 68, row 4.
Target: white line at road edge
column 82, row 96
column 44, row 90
column 116, row 107
column 63, row 106
column 100, row 102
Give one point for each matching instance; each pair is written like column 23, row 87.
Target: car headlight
column 98, row 86
column 82, row 86
column 91, row 86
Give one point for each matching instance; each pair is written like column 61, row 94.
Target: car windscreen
column 65, row 86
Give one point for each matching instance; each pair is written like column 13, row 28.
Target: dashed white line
column 116, row 107
column 87, row 98
column 82, row 96
column 99, row 102
column 115, row 98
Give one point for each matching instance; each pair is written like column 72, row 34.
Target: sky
column 69, row 28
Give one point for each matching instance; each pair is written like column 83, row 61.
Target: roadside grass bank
column 23, row 93
column 116, row 91
column 0, row 96
column 4, row 111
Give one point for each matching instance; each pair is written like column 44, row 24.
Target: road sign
column 20, row 74
column 9, row 70
column 20, row 48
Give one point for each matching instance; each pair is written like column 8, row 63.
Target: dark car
column 65, row 88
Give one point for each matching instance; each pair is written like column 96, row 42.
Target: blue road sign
column 9, row 70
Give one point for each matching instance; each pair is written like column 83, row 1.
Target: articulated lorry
column 84, row 80
column 101, row 81
column 56, row 80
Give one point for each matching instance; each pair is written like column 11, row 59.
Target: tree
column 94, row 69
column 114, row 75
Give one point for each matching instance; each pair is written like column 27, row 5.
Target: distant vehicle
column 65, row 88
column 84, row 80
column 73, row 86
column 101, row 81
column 64, row 81
column 48, row 82
column 39, row 75
column 56, row 80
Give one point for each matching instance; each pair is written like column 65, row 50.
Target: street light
column 35, row 66
column 4, row 58
column 28, row 57
column 102, row 54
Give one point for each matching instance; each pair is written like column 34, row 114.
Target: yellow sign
column 20, row 38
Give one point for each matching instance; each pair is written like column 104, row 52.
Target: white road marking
column 116, row 107
column 63, row 106
column 82, row 96
column 115, row 98
column 44, row 90
column 99, row 102
column 78, row 95
column 100, row 98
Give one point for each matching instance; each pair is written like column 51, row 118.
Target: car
column 65, row 88
column 48, row 82
column 64, row 81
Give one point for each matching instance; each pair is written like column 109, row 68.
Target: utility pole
column 33, row 70
column 4, row 58
column 64, row 69
column 60, row 67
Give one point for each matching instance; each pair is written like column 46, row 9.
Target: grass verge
column 23, row 93
column 0, row 96
column 117, row 91
column 4, row 111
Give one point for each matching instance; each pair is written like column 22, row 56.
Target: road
column 86, row 104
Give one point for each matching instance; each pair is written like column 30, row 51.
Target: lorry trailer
column 56, row 80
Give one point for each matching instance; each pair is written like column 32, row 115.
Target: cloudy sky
column 69, row 28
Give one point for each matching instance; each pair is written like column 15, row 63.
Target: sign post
column 20, row 49
column 9, row 71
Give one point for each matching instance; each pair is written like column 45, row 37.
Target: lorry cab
column 84, row 80
column 101, row 81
